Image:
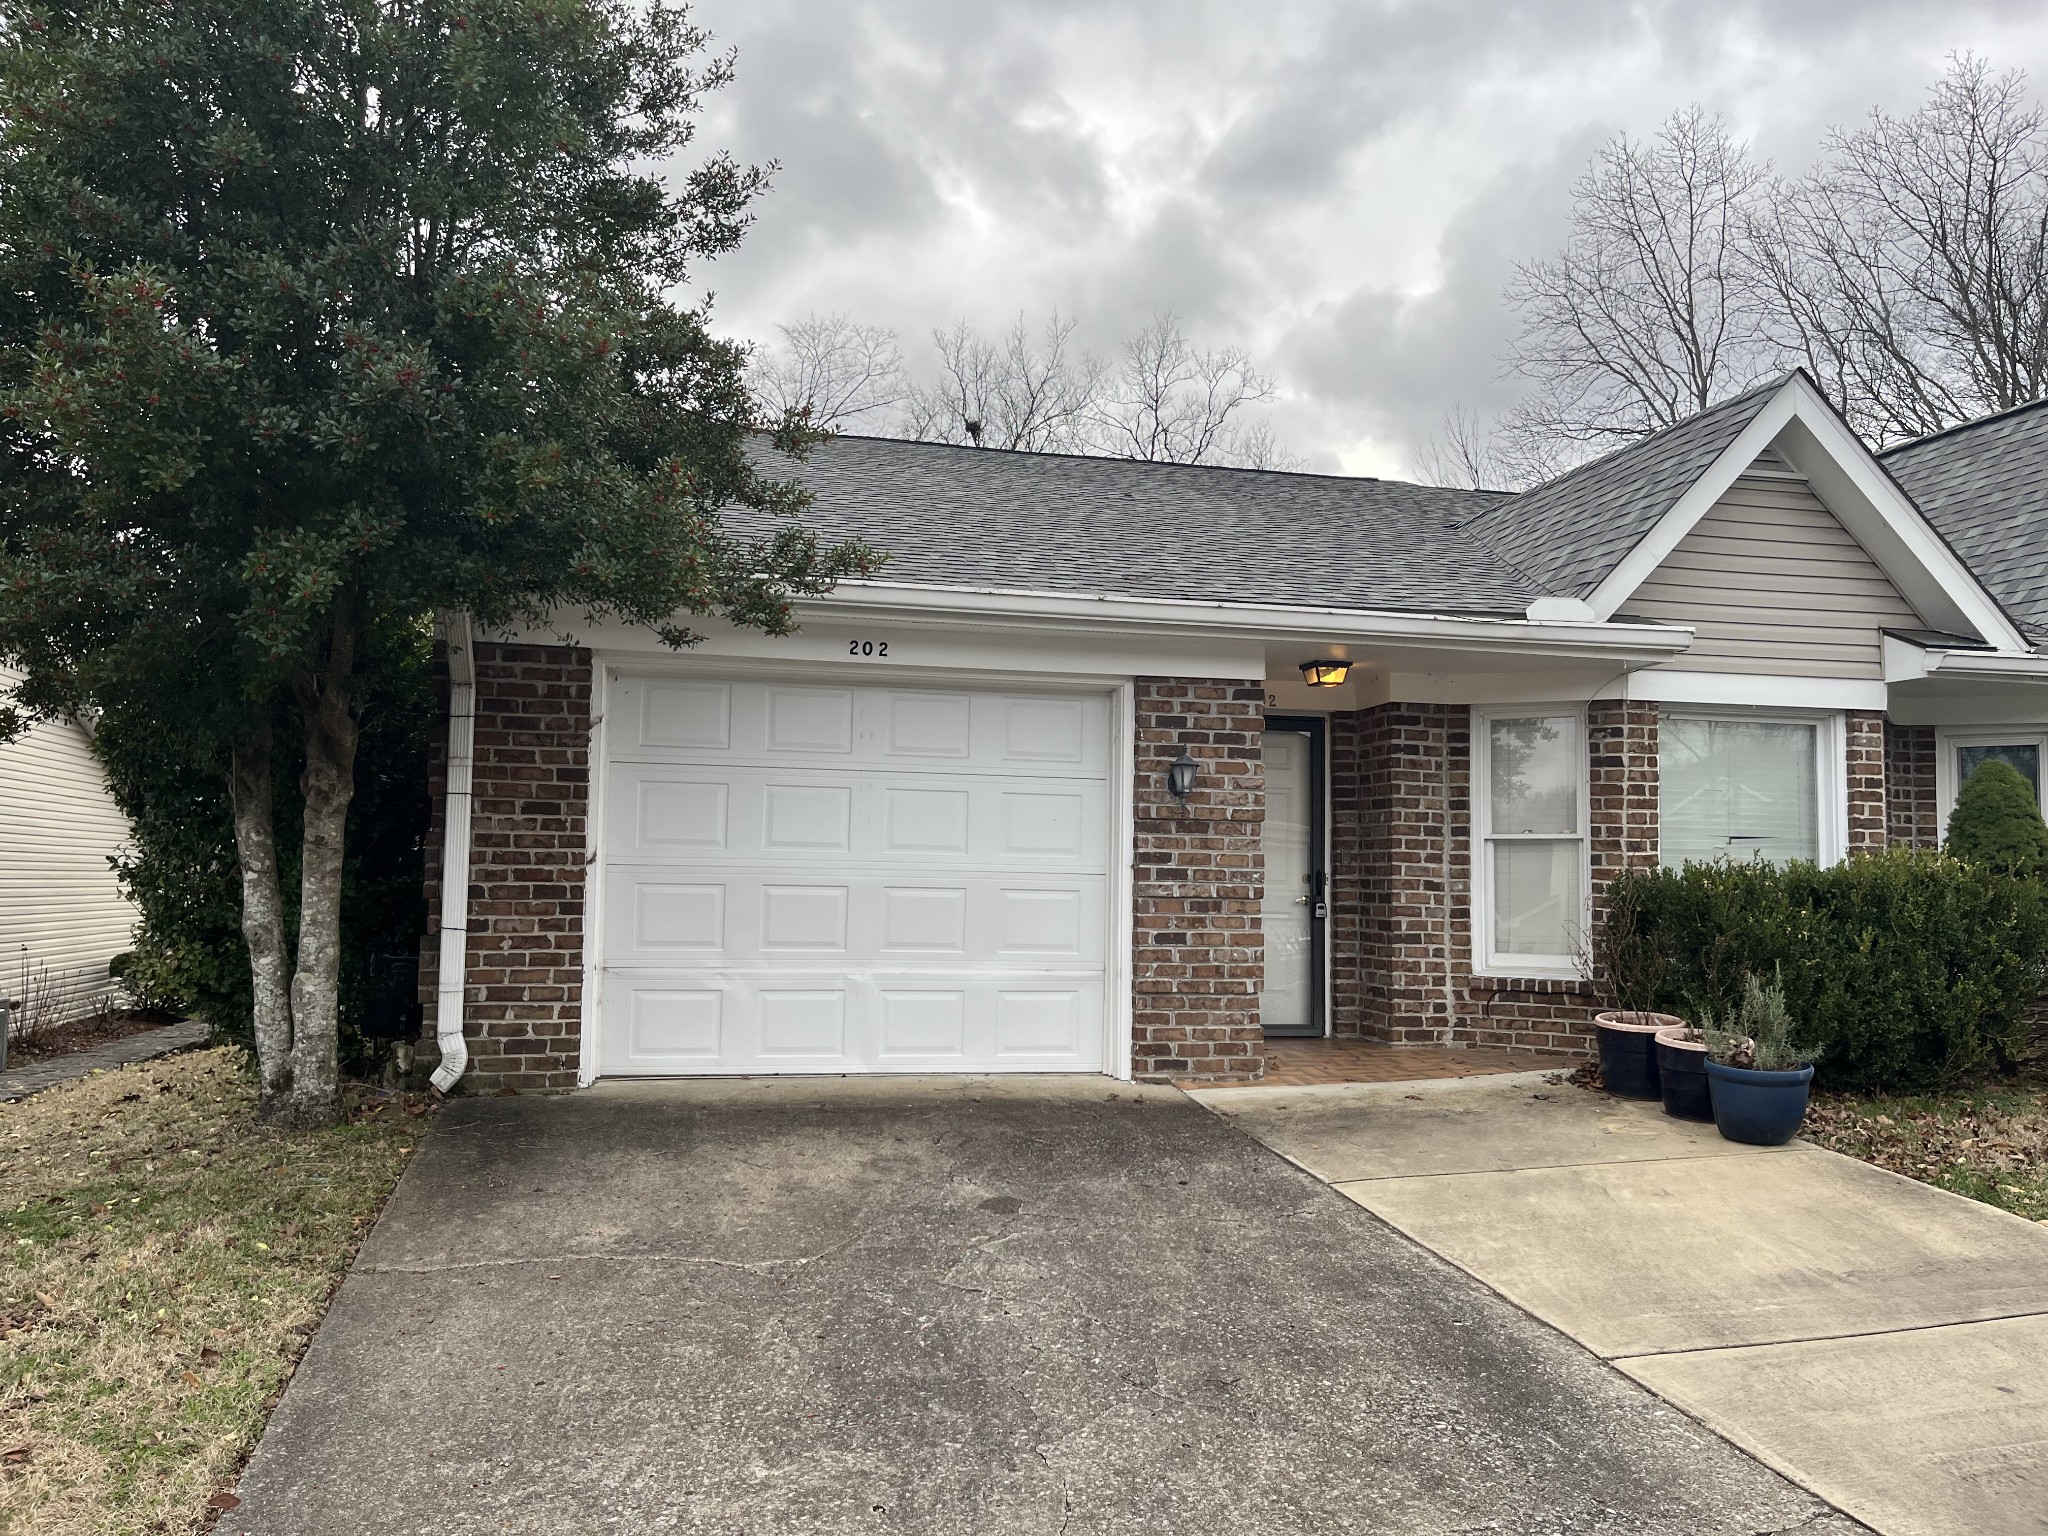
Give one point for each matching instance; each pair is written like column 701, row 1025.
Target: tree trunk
column 263, row 916
column 327, row 713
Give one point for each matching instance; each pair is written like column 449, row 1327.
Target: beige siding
column 1772, row 583
column 62, row 916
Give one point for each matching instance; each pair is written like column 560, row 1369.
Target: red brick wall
column 1912, row 814
column 1198, row 874
column 531, row 797
column 1863, row 741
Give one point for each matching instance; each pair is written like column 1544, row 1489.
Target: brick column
column 523, row 1013
column 1349, row 824
column 1912, row 816
column 1863, row 732
column 1197, row 880
column 1622, row 788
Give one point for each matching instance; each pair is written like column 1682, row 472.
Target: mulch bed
column 83, row 1034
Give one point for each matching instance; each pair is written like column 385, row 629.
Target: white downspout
column 449, row 994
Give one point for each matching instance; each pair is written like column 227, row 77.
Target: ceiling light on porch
column 1325, row 674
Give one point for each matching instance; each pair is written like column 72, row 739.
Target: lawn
column 1991, row 1145
column 168, row 1258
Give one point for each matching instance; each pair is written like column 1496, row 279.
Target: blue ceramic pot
column 1764, row 1109
column 1628, row 1051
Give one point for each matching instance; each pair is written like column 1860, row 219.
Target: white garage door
column 804, row 878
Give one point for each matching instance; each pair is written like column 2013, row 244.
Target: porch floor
column 1342, row 1059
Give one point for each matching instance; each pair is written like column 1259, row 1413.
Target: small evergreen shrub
column 1997, row 823
column 1908, row 969
column 1761, row 1034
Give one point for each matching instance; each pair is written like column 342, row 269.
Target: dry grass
column 166, row 1260
column 1990, row 1145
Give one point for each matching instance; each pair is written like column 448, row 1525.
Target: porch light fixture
column 1180, row 778
column 1325, row 674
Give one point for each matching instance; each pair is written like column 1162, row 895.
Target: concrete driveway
column 1880, row 1341
column 1021, row 1306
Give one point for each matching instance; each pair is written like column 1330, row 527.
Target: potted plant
column 1682, row 1072
column 1628, row 965
column 1757, row 1077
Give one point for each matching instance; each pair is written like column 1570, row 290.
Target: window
column 1747, row 787
column 1531, row 785
column 1962, row 753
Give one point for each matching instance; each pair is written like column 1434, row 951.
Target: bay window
column 1747, row 787
column 1530, row 789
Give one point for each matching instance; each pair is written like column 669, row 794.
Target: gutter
column 1031, row 609
column 450, row 992
column 1907, row 661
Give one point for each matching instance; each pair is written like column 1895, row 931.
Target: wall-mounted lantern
column 1180, row 778
column 1325, row 674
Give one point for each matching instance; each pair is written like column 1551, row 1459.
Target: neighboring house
column 938, row 830
column 62, row 914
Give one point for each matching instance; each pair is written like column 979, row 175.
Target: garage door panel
column 660, row 812
column 738, row 1020
column 752, row 916
column 814, row 877
column 678, row 719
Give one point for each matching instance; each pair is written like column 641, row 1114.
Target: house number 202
column 876, row 648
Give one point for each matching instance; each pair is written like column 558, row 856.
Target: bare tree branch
column 831, row 370
column 1034, row 393
column 1645, row 317
column 1170, row 401
column 1909, row 270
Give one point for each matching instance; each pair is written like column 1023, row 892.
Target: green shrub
column 1907, row 969
column 1761, row 1034
column 1997, row 822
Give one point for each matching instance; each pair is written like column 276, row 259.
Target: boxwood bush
column 1912, row 969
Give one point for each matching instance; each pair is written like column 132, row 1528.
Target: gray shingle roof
column 1568, row 533
column 1984, row 486
column 971, row 517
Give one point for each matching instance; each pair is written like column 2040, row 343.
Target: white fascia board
column 1160, row 616
column 1750, row 688
column 1992, row 666
column 1636, row 567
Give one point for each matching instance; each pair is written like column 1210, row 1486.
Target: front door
column 1296, row 905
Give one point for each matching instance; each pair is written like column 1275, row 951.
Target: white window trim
column 1946, row 780
column 1831, row 771
column 1487, row 960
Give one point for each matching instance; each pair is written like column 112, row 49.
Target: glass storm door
column 1296, row 910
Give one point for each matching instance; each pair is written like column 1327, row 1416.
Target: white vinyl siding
column 1772, row 583
column 62, row 915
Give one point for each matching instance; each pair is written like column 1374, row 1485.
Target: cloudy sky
column 1342, row 188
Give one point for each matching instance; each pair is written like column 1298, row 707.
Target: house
column 1123, row 768
column 63, row 915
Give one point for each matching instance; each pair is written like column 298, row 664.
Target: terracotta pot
column 1628, row 1058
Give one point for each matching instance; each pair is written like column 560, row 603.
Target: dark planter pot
column 1764, row 1109
column 1628, row 1055
column 1682, row 1075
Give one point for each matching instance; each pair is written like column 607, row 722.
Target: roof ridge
column 1647, row 438
column 1110, row 458
column 1964, row 426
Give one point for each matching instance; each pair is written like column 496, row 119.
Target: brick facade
column 531, row 798
column 1198, row 875
column 1863, row 750
column 1912, row 813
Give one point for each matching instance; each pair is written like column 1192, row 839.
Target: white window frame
column 1831, row 771
column 1491, row 962
column 1948, row 777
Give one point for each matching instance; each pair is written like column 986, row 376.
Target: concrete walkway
column 942, row 1307
column 129, row 1049
column 1880, row 1342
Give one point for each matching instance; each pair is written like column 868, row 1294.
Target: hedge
column 1912, row 969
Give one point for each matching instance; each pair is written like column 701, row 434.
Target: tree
column 319, row 315
column 831, row 371
column 1997, row 822
column 1909, row 270
column 1172, row 402
column 1031, row 393
column 1643, row 319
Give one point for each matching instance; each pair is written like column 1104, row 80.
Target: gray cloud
column 1342, row 187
